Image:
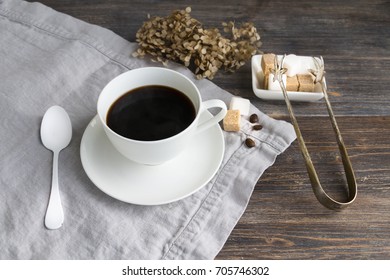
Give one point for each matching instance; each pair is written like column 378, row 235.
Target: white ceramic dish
column 258, row 77
column 141, row 184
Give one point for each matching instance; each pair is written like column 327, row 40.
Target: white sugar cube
column 241, row 104
column 275, row 85
column 297, row 64
column 293, row 64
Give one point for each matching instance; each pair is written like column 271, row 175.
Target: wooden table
column 283, row 219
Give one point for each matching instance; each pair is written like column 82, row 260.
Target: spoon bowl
column 56, row 133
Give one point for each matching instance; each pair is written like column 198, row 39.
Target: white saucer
column 151, row 185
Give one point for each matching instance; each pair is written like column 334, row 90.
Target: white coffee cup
column 158, row 151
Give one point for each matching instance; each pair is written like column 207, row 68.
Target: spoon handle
column 54, row 213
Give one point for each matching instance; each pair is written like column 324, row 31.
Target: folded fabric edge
column 48, row 20
column 223, row 197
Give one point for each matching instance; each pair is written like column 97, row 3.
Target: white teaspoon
column 56, row 132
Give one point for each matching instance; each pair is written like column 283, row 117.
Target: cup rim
column 151, row 84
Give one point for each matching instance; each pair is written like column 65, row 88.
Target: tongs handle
column 319, row 192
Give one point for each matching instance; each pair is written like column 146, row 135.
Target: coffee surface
column 151, row 113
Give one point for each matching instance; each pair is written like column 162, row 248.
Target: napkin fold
column 49, row 58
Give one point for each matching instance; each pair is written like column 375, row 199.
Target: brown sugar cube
column 265, row 81
column 292, row 83
column 267, row 63
column 232, row 120
column 306, row 82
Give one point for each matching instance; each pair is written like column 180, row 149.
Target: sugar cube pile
column 297, row 77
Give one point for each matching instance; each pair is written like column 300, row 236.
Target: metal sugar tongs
column 319, row 192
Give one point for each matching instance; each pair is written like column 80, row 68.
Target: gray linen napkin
column 48, row 58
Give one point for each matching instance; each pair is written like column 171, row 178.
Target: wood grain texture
column 283, row 219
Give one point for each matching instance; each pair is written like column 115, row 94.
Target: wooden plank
column 284, row 220
column 352, row 36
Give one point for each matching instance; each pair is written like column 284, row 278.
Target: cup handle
column 213, row 103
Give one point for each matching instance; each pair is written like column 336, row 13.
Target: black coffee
column 151, row 113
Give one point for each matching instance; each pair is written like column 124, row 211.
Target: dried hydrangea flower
column 181, row 38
